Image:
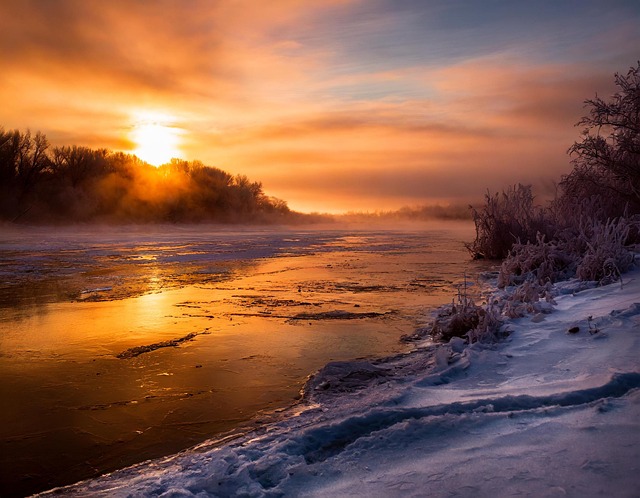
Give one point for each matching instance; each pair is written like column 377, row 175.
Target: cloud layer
column 333, row 105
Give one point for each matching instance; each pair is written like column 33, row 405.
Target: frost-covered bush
column 489, row 327
column 455, row 321
column 606, row 256
column 576, row 229
column 541, row 261
column 463, row 318
column 471, row 322
column 529, row 297
column 590, row 250
column 505, row 219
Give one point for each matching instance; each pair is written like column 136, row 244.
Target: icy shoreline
column 543, row 413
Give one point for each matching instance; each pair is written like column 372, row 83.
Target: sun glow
column 156, row 143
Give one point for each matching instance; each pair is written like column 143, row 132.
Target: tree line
column 44, row 184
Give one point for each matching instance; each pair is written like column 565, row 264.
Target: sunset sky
column 333, row 105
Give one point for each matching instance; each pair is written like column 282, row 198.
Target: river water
column 122, row 344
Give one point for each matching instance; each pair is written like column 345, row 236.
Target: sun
column 156, row 143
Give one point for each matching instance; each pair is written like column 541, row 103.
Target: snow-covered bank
column 544, row 413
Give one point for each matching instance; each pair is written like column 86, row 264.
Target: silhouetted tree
column 77, row 164
column 9, row 141
column 74, row 183
column 8, row 153
column 23, row 159
column 31, row 160
column 607, row 158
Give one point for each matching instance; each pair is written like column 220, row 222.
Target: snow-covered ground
column 544, row 413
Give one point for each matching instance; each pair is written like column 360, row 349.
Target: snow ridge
column 320, row 443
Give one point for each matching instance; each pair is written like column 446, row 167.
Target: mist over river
column 122, row 344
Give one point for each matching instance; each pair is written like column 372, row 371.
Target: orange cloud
column 271, row 90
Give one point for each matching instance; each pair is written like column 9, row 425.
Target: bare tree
column 77, row 164
column 607, row 159
column 31, row 160
column 8, row 145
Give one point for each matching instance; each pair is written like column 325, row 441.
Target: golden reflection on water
column 74, row 407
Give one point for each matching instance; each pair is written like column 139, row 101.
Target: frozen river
column 123, row 344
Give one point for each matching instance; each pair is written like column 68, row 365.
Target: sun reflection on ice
column 154, row 305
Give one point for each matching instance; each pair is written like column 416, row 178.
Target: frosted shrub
column 527, row 298
column 467, row 320
column 606, row 255
column 590, row 231
column 455, row 321
column 489, row 327
column 589, row 250
column 471, row 322
column 542, row 261
column 504, row 220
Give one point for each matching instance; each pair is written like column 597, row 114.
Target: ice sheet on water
column 134, row 260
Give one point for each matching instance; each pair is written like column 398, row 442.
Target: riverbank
column 553, row 410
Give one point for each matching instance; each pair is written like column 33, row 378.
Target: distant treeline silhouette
column 412, row 213
column 44, row 184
